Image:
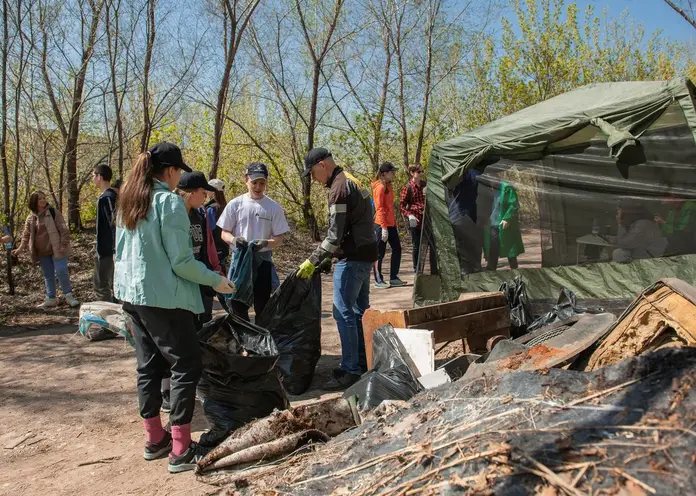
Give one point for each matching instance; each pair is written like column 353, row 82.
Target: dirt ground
column 77, row 401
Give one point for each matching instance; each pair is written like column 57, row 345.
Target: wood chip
column 19, row 440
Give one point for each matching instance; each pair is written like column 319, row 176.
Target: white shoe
column 48, row 303
column 70, row 300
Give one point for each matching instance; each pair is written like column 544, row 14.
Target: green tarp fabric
column 626, row 110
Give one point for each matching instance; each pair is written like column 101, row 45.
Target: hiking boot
column 396, row 283
column 70, row 300
column 381, row 285
column 341, row 380
column 48, row 303
column 188, row 459
column 153, row 451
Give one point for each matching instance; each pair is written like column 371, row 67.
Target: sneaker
column 188, row 459
column 70, row 300
column 48, row 303
column 153, row 451
column 396, row 283
column 341, row 380
column 381, row 285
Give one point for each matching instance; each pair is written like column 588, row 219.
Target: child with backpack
column 47, row 238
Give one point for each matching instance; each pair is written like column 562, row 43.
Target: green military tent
column 582, row 165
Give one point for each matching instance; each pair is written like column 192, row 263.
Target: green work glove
column 306, row 270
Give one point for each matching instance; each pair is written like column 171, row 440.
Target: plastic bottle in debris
column 595, row 227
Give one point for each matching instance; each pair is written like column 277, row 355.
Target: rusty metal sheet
column 556, row 351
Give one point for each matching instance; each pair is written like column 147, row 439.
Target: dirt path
column 78, row 400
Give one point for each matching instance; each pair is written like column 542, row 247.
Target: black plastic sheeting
column 293, row 317
column 520, row 309
column 240, row 380
column 391, row 377
column 565, row 308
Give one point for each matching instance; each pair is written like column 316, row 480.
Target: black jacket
column 351, row 233
column 106, row 228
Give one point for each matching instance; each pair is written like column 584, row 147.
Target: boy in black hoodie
column 103, row 278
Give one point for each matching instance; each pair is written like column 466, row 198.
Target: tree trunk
column 3, row 138
column 434, row 10
column 74, row 127
column 147, row 122
column 112, row 44
column 402, row 100
column 230, row 52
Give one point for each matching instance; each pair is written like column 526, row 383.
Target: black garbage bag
column 240, row 380
column 391, row 377
column 293, row 317
column 565, row 308
column 521, row 316
column 242, row 275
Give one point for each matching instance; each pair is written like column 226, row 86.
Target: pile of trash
column 628, row 427
column 575, row 402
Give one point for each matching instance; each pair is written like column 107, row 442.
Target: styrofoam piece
column 419, row 345
column 435, row 379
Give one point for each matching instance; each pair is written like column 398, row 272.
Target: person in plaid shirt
column 412, row 206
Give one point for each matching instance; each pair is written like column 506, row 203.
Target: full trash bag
column 240, row 380
column 293, row 317
column 242, row 275
column 391, row 377
column 521, row 316
column 565, row 308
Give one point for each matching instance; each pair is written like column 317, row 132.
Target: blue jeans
column 52, row 268
column 351, row 299
column 395, row 244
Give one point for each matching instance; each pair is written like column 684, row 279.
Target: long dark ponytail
column 134, row 199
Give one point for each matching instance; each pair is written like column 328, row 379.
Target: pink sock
column 181, row 437
column 153, row 429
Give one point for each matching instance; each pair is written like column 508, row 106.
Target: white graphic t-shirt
column 253, row 219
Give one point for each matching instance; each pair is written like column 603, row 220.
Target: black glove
column 240, row 242
column 325, row 266
column 258, row 244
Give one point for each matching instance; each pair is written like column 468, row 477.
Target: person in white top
column 254, row 220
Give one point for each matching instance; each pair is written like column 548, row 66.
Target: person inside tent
column 638, row 235
column 504, row 234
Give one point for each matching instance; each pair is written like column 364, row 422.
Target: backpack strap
column 52, row 211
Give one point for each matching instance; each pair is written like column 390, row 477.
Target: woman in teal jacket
column 505, row 236
column 158, row 278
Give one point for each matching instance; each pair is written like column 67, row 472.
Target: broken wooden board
column 474, row 318
column 663, row 315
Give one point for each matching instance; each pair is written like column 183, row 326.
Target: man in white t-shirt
column 253, row 219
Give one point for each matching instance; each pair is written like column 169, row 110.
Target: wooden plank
column 373, row 320
column 468, row 303
column 473, row 324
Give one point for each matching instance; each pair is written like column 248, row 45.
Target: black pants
column 395, row 244
column 494, row 251
column 166, row 340
column 263, row 285
column 103, row 278
column 468, row 240
column 416, row 240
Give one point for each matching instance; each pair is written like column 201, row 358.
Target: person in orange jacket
column 385, row 226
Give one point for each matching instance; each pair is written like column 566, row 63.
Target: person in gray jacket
column 638, row 234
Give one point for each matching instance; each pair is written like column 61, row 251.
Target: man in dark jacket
column 103, row 278
column 351, row 239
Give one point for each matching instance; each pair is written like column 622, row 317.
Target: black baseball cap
column 194, row 180
column 257, row 170
column 313, row 157
column 165, row 155
column 387, row 167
